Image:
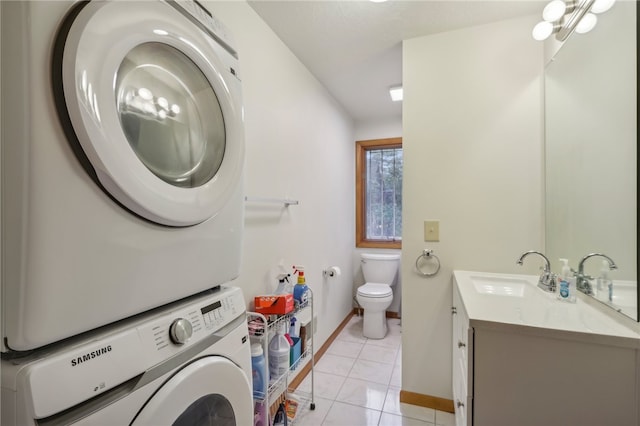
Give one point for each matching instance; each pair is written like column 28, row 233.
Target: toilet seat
column 375, row 290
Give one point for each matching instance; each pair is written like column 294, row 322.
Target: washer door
column 155, row 104
column 209, row 391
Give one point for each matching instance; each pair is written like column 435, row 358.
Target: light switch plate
column 432, row 230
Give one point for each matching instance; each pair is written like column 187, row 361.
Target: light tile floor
column 357, row 383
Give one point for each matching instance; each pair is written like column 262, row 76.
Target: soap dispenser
column 604, row 285
column 566, row 283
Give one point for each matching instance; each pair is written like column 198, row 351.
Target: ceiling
column 354, row 47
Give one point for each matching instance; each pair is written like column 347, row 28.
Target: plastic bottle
column 283, row 284
column 260, row 414
column 300, row 290
column 566, row 283
column 279, row 349
column 604, row 285
column 610, row 292
column 294, row 329
column 259, row 371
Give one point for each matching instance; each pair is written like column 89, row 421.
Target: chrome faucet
column 582, row 281
column 547, row 280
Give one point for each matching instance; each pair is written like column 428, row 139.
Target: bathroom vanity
column 522, row 357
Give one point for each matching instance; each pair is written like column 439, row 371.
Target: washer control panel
column 183, row 327
column 105, row 360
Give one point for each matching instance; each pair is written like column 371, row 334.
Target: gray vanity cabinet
column 508, row 374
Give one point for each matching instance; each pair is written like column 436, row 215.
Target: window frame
column 361, row 149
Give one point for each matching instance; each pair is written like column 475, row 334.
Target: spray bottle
column 300, row 290
column 283, row 284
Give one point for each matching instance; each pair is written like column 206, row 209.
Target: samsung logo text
column 91, row 355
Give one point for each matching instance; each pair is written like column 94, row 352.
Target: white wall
column 379, row 129
column 472, row 140
column 299, row 146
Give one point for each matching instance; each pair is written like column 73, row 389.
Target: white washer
column 122, row 160
column 145, row 371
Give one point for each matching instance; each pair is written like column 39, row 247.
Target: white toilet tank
column 379, row 268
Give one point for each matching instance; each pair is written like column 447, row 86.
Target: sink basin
column 516, row 300
column 501, row 286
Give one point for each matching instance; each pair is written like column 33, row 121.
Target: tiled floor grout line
column 389, row 408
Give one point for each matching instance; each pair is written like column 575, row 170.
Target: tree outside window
column 379, row 193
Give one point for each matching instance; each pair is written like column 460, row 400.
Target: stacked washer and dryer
column 122, row 215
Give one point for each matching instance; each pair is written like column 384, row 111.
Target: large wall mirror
column 591, row 122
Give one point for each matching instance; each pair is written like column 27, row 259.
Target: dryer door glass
column 170, row 115
column 209, row 391
column 210, row 410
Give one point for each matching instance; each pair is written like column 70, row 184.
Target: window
column 379, row 193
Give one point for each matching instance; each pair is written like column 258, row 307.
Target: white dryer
column 186, row 365
column 122, row 160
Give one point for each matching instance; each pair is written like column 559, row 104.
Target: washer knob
column 180, row 331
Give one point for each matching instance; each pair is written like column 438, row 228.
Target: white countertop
column 514, row 302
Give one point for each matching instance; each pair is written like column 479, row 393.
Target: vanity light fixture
column 543, row 30
column 563, row 17
column 396, row 93
column 587, row 23
column 555, row 10
column 601, row 6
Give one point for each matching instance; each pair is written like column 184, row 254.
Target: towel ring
column 428, row 255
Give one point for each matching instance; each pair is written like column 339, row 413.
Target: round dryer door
column 210, row 391
column 155, row 104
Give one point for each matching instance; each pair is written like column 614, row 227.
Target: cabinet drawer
column 462, row 402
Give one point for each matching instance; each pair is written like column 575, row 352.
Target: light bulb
column 542, row 30
column 587, row 23
column 554, row 11
column 163, row 103
column 600, row 6
column 145, row 93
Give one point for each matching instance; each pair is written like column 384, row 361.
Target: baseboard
column 359, row 312
column 428, row 401
column 318, row 354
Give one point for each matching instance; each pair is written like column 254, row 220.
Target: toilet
column 376, row 295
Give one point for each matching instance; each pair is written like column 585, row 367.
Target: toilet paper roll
column 334, row 271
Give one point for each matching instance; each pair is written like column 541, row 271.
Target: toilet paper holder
column 332, row 271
